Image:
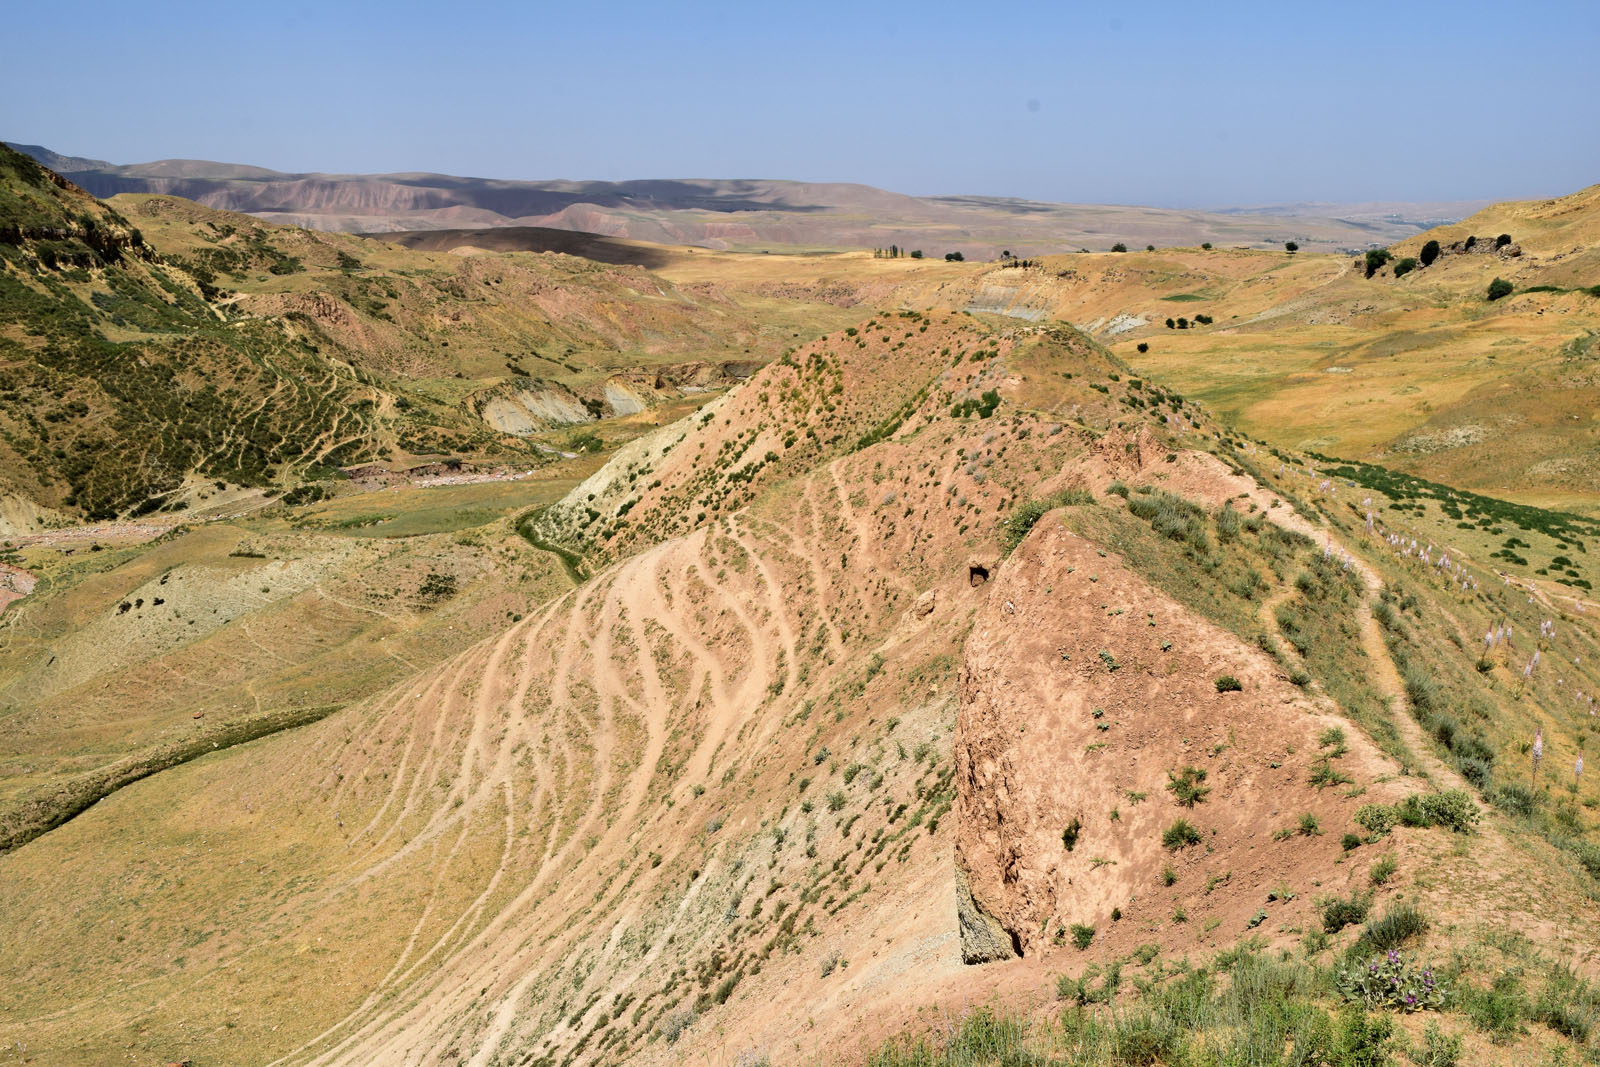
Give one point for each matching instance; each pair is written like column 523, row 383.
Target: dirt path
column 1384, row 677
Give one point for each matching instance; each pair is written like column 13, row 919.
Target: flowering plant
column 1389, row 980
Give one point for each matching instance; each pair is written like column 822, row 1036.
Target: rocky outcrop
column 983, row 938
column 1083, row 688
column 529, row 406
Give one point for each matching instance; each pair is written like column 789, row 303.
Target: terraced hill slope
column 911, row 692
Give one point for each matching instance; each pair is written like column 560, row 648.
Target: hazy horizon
column 1152, row 104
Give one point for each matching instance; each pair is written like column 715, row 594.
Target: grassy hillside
column 150, row 349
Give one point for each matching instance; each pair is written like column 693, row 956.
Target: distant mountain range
column 739, row 214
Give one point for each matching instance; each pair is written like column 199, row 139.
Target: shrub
column 1082, row 936
column 1206, row 245
column 1324, row 775
column 1405, row 266
column 1375, row 260
column 1398, row 924
column 1168, row 876
column 836, row 800
column 1069, row 836
column 1027, row 514
column 954, row 257
column 1568, row 1005
column 1389, row 981
column 1227, row 683
column 1384, row 869
column 1438, row 1049
column 1516, row 799
column 1181, row 834
column 1498, row 1011
column 1309, row 826
column 1453, row 809
column 673, row 1026
column 1376, row 819
column 1339, row 912
column 1291, row 247
column 1350, row 842
column 1143, row 347
column 1429, row 253
column 1499, row 288
column 1503, row 240
column 1185, row 786
column 1119, row 247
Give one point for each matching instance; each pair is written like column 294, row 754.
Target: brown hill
column 743, row 214
column 533, row 239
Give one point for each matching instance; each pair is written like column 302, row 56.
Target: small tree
column 1469, row 242
column 954, row 257
column 1430, row 252
column 1291, row 247
column 1499, row 288
column 1376, row 259
column 1149, row 248
column 1119, row 247
column 916, row 253
column 1171, row 325
column 1144, row 346
column 1206, row 245
column 1404, row 267
column 1503, row 240
column 1183, row 323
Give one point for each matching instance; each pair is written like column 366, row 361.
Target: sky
column 1165, row 104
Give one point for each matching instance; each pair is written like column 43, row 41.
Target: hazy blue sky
column 1159, row 103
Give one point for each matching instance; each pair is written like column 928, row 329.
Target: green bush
column 1181, row 834
column 1376, row 819
column 1499, row 288
column 1398, row 924
column 1404, row 267
column 1227, row 683
column 1453, row 809
column 1498, row 1011
column 1185, row 786
column 1569, row 1005
column 1339, row 912
column 1082, row 936
column 1429, row 253
column 1375, row 260
column 1027, row 514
